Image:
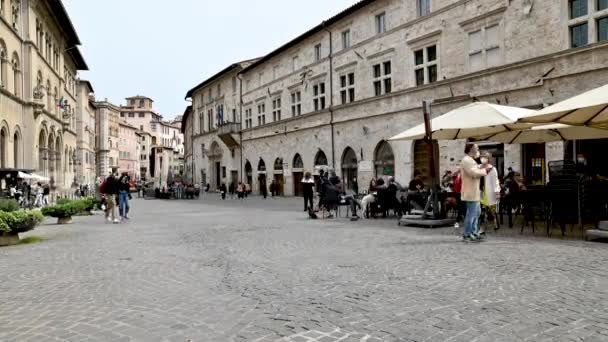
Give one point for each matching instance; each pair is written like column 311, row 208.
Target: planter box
column 64, row 220
column 9, row 240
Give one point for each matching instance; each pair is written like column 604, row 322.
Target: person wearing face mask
column 470, row 194
column 491, row 195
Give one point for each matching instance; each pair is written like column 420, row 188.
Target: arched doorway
column 3, row 147
column 17, row 149
column 42, row 153
column 384, row 160
column 422, row 160
column 262, row 176
column 60, row 176
column 279, row 181
column 215, row 162
column 349, row 169
column 321, row 161
column 248, row 173
column 51, row 158
column 298, row 175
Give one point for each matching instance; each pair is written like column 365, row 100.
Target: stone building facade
column 129, row 150
column 187, row 130
column 333, row 96
column 39, row 61
column 107, row 137
column 86, row 149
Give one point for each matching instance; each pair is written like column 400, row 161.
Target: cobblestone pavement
column 260, row 271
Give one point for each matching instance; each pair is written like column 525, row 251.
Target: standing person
column 273, row 188
column 240, row 191
column 491, row 195
column 308, row 185
column 223, row 191
column 247, row 189
column 355, row 187
column 471, row 196
column 109, row 189
column 46, row 192
column 263, row 186
column 232, row 189
column 123, row 197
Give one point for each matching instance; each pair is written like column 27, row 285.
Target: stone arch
column 262, row 176
column 50, row 146
column 248, row 173
column 298, row 163
column 350, row 168
column 42, row 151
column 4, row 134
column 17, row 147
column 58, row 146
column 321, row 159
column 384, row 160
column 261, row 165
column 16, row 74
column 3, row 62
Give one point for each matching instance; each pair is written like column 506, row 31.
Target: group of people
column 115, row 191
column 38, row 195
column 242, row 190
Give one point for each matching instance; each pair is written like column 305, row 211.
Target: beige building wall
column 86, row 130
column 129, row 150
column 38, row 68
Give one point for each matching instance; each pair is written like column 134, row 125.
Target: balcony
column 228, row 132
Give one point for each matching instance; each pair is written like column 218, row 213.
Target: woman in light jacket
column 491, row 194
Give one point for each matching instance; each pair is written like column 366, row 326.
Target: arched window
column 42, row 152
column 298, row 163
column 3, row 63
column 55, row 101
column 17, row 148
column 349, row 168
column 278, row 164
column 48, row 95
column 321, row 159
column 384, row 160
column 248, row 172
column 15, row 9
column 16, row 74
column 261, row 166
column 3, row 147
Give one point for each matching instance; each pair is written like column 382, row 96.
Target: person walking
column 109, row 189
column 123, row 198
column 247, row 189
column 471, row 195
column 223, row 191
column 263, row 186
column 308, row 185
column 46, row 192
column 240, row 191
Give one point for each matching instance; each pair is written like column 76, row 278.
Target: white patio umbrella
column 548, row 133
column 587, row 109
column 478, row 119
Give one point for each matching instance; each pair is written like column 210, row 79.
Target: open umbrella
column 587, row 109
column 478, row 119
column 548, row 133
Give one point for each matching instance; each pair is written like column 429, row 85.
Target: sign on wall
column 366, row 166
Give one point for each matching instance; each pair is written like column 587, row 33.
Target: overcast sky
column 162, row 49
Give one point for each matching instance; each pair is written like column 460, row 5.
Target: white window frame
column 484, row 46
column 347, row 87
column 380, row 22
column 261, row 114
column 423, row 10
column 295, row 63
column 276, row 109
column 319, row 100
column 383, row 77
column 346, row 41
column 248, row 118
column 426, row 63
column 296, row 103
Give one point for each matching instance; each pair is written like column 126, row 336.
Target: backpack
column 102, row 187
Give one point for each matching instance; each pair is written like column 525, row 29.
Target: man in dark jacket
column 110, row 191
column 308, row 184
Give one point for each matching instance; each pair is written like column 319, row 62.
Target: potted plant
column 63, row 211
column 16, row 221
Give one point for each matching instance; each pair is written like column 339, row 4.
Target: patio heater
column 431, row 216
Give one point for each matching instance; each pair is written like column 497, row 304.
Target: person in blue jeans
column 123, row 197
column 471, row 193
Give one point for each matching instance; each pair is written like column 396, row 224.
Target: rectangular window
column 602, row 29
column 233, row 85
column 381, row 23
column 219, row 89
column 318, row 95
column 142, row 115
column 131, row 115
column 602, row 4
column 296, row 104
column 209, row 119
column 275, row 72
column 578, row 35
column 484, row 48
column 346, row 39
column 295, row 63
column 347, row 88
column 276, row 110
column 248, row 119
column 210, row 96
column 382, row 78
column 261, row 114
column 424, row 7
column 233, row 115
column 425, row 68
column 578, row 8
column 122, row 115
column 317, row 52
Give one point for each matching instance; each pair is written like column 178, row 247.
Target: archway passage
column 215, row 158
column 384, row 160
column 279, row 181
column 248, row 173
column 16, row 150
column 298, row 175
column 350, row 169
column 3, row 147
column 42, row 153
column 422, row 160
column 262, row 176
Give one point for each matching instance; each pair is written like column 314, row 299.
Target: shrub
column 19, row 221
column 88, row 203
column 62, row 201
column 8, row 205
column 62, row 210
